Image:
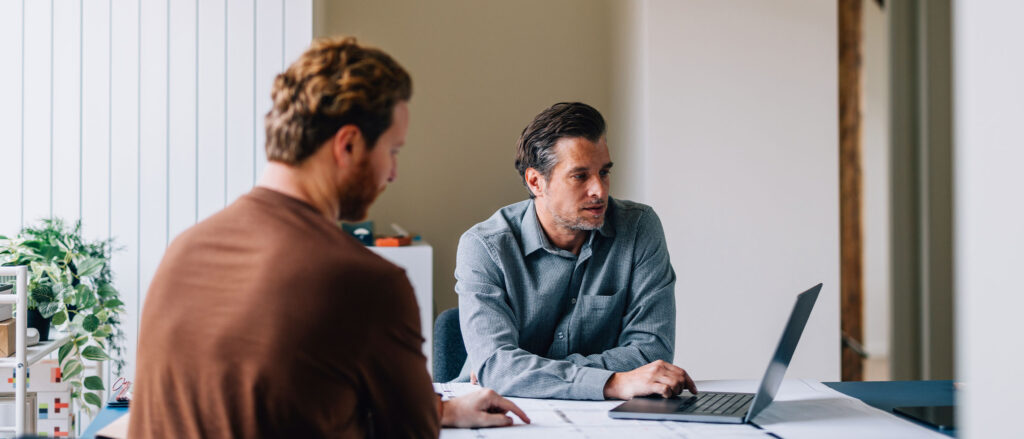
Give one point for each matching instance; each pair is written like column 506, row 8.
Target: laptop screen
column 784, row 353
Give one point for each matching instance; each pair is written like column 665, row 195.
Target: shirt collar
column 608, row 229
column 533, row 235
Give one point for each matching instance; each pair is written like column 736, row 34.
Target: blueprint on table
column 587, row 419
column 802, row 409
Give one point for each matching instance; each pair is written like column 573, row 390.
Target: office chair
column 449, row 350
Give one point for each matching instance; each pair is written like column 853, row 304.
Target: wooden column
column 850, row 185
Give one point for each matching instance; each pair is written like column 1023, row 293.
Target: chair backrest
column 449, row 350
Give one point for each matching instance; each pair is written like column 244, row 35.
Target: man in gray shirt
column 569, row 294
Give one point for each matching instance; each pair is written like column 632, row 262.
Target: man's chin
column 354, row 214
column 588, row 224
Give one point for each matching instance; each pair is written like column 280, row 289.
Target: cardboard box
column 53, row 405
column 44, row 376
column 55, row 427
column 7, row 340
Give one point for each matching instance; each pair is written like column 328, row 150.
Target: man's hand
column 483, row 408
column 657, row 378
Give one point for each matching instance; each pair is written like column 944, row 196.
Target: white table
column 802, row 409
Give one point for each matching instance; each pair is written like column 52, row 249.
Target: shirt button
column 573, row 300
column 561, row 335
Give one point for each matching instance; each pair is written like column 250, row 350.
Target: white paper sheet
column 802, row 409
column 566, row 419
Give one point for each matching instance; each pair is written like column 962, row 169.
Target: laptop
column 724, row 407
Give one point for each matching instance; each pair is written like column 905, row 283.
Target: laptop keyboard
column 716, row 403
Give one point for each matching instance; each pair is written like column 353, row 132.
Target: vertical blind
column 138, row 117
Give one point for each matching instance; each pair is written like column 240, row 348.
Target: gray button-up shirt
column 541, row 322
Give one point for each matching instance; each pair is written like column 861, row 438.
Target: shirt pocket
column 601, row 319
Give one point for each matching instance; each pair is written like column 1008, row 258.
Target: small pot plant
column 70, row 282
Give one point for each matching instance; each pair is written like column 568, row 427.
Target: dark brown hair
column 336, row 82
column 564, row 119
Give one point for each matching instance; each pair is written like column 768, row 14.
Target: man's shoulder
column 301, row 242
column 505, row 221
column 628, row 213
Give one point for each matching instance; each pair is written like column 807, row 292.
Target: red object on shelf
column 393, row 241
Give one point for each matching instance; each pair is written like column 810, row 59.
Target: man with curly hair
column 267, row 320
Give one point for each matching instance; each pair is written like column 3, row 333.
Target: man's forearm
column 539, row 377
column 620, row 359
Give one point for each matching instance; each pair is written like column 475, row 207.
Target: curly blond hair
column 336, row 82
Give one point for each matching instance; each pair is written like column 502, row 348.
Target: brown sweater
column 267, row 320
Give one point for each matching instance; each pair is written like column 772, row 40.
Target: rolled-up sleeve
column 489, row 328
column 648, row 324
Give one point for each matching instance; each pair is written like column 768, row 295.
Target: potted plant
column 70, row 282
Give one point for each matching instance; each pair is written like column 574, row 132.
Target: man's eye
column 605, row 173
column 579, row 177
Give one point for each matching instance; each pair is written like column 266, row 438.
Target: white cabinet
column 418, row 262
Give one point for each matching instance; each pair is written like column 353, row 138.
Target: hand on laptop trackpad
column 686, row 401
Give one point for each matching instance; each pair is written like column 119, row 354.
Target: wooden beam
column 850, row 185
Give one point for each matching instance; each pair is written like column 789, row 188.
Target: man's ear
column 535, row 181
column 347, row 145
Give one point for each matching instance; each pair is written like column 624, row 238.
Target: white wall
column 989, row 214
column 741, row 163
column 875, row 160
column 140, row 117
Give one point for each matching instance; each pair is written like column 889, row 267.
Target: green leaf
column 85, row 297
column 107, row 291
column 95, row 353
column 91, row 323
column 76, row 384
column 42, row 293
column 49, row 309
column 74, row 367
column 90, row 267
column 93, row 399
column 101, row 333
column 62, row 353
column 89, row 301
column 59, row 319
column 93, row 383
column 113, row 303
column 75, row 394
column 56, row 274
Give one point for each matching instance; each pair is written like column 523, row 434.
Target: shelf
column 35, row 353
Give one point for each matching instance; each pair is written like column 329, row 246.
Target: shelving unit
column 418, row 261
column 23, row 356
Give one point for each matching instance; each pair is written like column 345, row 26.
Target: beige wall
column 481, row 71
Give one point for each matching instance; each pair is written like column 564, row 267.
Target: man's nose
column 598, row 188
column 394, row 172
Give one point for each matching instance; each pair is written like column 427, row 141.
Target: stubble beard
column 358, row 193
column 578, row 224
